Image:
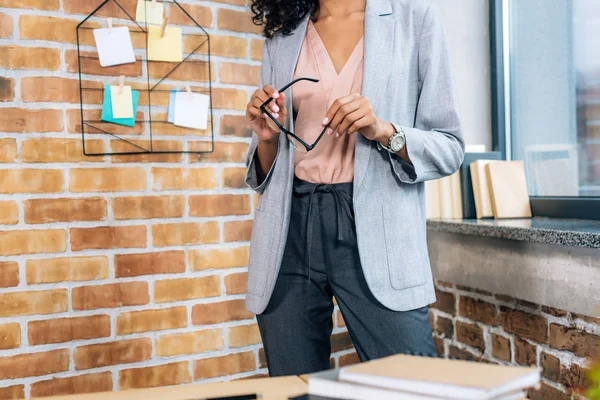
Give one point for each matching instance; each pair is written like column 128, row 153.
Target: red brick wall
column 476, row 325
column 125, row 271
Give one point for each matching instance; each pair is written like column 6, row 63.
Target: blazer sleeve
column 251, row 161
column 435, row 144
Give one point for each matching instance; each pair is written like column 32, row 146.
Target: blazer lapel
column 377, row 64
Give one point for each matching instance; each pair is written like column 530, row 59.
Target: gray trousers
column 321, row 261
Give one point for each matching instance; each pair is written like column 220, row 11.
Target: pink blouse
column 332, row 160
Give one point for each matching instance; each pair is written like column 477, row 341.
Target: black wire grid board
column 154, row 80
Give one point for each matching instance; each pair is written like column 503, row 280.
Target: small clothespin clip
column 188, row 88
column 163, row 27
column 121, row 83
column 109, row 22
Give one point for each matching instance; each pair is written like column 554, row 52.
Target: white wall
column 467, row 26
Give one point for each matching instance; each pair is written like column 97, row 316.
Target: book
column 468, row 198
column 481, row 192
column 452, row 379
column 443, row 197
column 508, row 189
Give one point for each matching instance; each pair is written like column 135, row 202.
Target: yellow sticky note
column 168, row 48
column 122, row 104
column 150, row 12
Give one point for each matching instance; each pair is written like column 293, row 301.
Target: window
column 546, row 106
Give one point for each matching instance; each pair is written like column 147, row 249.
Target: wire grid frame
column 154, row 80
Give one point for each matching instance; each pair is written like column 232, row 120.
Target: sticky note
column 168, row 48
column 107, row 114
column 151, row 12
column 121, row 101
column 114, row 46
column 172, row 100
column 191, row 110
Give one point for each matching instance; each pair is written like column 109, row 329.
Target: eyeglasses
column 298, row 143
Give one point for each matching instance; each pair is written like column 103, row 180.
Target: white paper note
column 149, row 11
column 114, row 46
column 191, row 110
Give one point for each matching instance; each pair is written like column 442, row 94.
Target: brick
column 340, row 319
column 550, row 367
column 483, row 292
column 533, row 327
column 470, row 334
column 63, row 30
column 21, row 58
column 444, row 327
column 41, row 211
column 167, row 262
column 151, row 320
column 112, row 353
column 262, row 360
column 74, row 126
column 31, row 181
column 50, row 150
column 119, row 146
column 158, row 375
column 547, row 392
column 217, row 259
column 62, row 330
column 239, row 74
column 32, row 241
column 34, row 364
column 256, row 49
column 147, row 207
column 340, row 341
column 349, row 359
column 188, row 72
column 79, row 384
column 591, row 320
column 235, row 2
column 501, row 348
column 51, row 5
column 237, row 231
column 184, row 178
column 202, row 15
column 189, row 342
column 12, row 392
column 8, row 147
column 91, row 65
column 574, row 377
column 234, row 178
column 244, row 335
column 9, row 274
column 555, row 311
column 237, row 21
column 477, row 310
column 110, row 296
column 220, row 45
column 445, row 302
column 225, row 365
column 10, row 336
column 107, row 179
column 528, row 304
column 525, row 352
column 9, row 212
column 219, row 205
column 439, row 346
column 223, row 153
column 235, row 125
column 580, row 343
column 6, row 26
column 60, row 269
column 225, row 311
column 179, row 234
column 236, row 283
column 108, row 237
column 86, row 7
column 460, row 354
column 171, row 290
column 504, row 298
column 229, row 99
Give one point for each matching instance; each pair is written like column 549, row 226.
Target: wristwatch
column 397, row 140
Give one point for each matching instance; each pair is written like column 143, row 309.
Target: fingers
column 361, row 123
column 350, row 119
column 335, row 108
column 259, row 97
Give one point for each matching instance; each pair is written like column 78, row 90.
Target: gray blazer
column 408, row 81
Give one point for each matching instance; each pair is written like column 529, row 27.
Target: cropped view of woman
column 356, row 109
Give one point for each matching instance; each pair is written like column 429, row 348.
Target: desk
column 271, row 389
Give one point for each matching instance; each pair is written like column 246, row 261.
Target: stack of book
column 404, row 377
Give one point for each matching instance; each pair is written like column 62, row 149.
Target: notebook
column 481, row 192
column 508, row 189
column 454, row 379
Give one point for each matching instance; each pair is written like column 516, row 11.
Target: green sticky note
column 107, row 109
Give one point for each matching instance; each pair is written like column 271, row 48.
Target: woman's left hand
column 352, row 113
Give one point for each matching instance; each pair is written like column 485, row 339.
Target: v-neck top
column 332, row 160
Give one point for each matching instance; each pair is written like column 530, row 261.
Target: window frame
column 555, row 207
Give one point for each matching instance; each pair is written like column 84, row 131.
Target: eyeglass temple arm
column 283, row 89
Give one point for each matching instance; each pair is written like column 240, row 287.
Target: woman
column 346, row 219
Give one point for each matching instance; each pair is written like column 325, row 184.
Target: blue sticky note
column 107, row 114
column 171, row 117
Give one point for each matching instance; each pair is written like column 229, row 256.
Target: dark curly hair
column 282, row 16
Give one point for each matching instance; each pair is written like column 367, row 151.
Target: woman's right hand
column 265, row 129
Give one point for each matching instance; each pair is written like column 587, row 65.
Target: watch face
column 397, row 143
